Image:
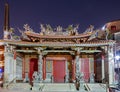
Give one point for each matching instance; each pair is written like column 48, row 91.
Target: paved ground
column 20, row 90
column 7, row 90
column 57, row 88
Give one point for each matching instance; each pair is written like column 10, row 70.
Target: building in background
column 114, row 28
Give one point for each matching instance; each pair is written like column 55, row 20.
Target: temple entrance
column 33, row 67
column 59, row 71
column 85, row 68
column 98, row 73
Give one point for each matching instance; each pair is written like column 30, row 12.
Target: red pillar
column 73, row 69
column 23, row 68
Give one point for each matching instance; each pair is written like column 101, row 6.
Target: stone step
column 54, row 87
column 22, row 86
column 95, row 87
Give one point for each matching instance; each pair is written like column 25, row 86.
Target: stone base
column 37, row 86
column 53, row 87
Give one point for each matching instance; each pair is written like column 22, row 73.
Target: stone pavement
column 69, row 87
column 96, row 87
column 9, row 90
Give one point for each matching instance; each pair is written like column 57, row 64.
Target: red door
column 59, row 71
column 33, row 67
column 85, row 68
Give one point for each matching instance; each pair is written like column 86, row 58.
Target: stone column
column 40, row 66
column 9, row 64
column 103, row 67
column 14, row 64
column 67, row 73
column 77, row 64
column 6, row 68
column 111, row 64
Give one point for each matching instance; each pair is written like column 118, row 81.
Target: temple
column 56, row 55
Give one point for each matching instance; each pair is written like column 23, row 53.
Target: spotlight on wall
column 103, row 28
column 117, row 57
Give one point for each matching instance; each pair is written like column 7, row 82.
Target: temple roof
column 31, row 44
column 32, row 34
column 58, row 37
column 49, row 34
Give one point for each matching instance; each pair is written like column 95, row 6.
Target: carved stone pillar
column 14, row 69
column 6, row 68
column 111, row 64
column 14, row 63
column 103, row 67
column 40, row 66
column 77, row 64
column 9, row 64
column 103, row 63
column 67, row 73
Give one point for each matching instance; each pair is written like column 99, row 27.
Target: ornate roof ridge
column 29, row 43
column 56, row 36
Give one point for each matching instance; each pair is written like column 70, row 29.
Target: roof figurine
column 75, row 30
column 46, row 29
column 59, row 29
column 72, row 30
column 49, row 29
column 69, row 29
column 89, row 29
column 43, row 29
column 27, row 28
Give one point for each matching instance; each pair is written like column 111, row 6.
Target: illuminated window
column 113, row 27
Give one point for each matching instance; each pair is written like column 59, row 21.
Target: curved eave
column 36, row 35
column 51, row 44
column 2, row 42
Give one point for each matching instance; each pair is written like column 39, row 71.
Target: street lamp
column 117, row 57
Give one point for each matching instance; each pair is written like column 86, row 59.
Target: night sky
column 60, row 12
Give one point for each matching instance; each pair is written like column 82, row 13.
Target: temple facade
column 56, row 55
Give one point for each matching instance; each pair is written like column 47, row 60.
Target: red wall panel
column 33, row 67
column 58, row 71
column 85, row 68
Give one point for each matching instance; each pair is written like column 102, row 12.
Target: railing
column 11, row 82
column 87, row 87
